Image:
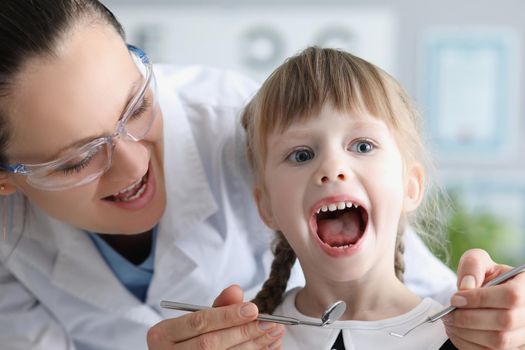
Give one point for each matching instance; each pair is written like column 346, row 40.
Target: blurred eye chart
column 470, row 94
column 255, row 38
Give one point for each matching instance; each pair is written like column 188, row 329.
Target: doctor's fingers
column 191, row 325
column 251, row 336
column 472, row 339
column 474, row 266
column 487, row 319
column 509, row 295
column 269, row 341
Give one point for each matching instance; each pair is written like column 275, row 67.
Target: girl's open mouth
column 339, row 226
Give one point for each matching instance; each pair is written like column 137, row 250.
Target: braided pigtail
column 272, row 291
column 399, row 260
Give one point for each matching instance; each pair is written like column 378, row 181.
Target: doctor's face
column 63, row 101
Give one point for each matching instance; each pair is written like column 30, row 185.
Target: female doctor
column 122, row 185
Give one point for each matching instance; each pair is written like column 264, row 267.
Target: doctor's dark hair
column 296, row 91
column 34, row 28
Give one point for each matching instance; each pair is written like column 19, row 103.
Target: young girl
column 339, row 168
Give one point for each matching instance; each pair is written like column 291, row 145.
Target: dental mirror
column 330, row 315
column 333, row 313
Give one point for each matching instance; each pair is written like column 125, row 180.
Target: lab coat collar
column 77, row 268
column 77, row 262
column 80, row 271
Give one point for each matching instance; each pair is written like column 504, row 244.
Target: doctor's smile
column 137, row 195
column 339, row 225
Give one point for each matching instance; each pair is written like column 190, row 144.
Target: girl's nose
column 340, row 176
column 330, row 171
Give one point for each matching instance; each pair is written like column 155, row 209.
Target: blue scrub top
column 136, row 278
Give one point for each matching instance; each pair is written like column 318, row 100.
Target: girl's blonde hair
column 295, row 92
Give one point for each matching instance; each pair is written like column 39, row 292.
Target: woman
column 107, row 179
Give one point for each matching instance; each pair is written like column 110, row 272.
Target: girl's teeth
column 336, row 206
column 344, row 246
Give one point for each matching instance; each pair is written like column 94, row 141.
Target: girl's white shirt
column 359, row 335
column 57, row 292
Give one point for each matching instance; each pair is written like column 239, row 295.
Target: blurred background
column 461, row 61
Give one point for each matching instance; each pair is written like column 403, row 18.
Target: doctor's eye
column 81, row 162
column 362, row 146
column 139, row 109
column 300, row 156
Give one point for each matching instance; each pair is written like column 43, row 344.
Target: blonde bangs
column 298, row 89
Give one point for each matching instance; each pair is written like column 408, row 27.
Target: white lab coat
column 56, row 292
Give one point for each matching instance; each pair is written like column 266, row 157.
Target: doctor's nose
column 130, row 161
column 330, row 171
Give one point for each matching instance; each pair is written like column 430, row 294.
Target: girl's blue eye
column 300, row 156
column 362, row 146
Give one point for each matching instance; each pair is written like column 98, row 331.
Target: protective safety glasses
column 88, row 162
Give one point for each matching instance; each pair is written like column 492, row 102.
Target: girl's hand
column 491, row 317
column 230, row 324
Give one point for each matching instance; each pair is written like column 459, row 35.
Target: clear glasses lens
column 141, row 114
column 79, row 169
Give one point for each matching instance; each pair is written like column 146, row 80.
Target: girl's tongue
column 342, row 230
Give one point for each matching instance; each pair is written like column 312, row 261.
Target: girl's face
column 75, row 96
column 336, row 186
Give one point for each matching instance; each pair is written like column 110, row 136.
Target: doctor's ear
column 414, row 187
column 264, row 207
column 6, row 187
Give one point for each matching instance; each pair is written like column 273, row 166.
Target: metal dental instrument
column 330, row 315
column 451, row 308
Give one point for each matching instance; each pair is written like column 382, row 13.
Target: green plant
column 481, row 229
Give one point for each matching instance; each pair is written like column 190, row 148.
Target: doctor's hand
column 491, row 317
column 230, row 324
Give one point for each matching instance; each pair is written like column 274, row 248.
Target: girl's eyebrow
column 290, row 136
column 358, row 125
column 296, row 134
